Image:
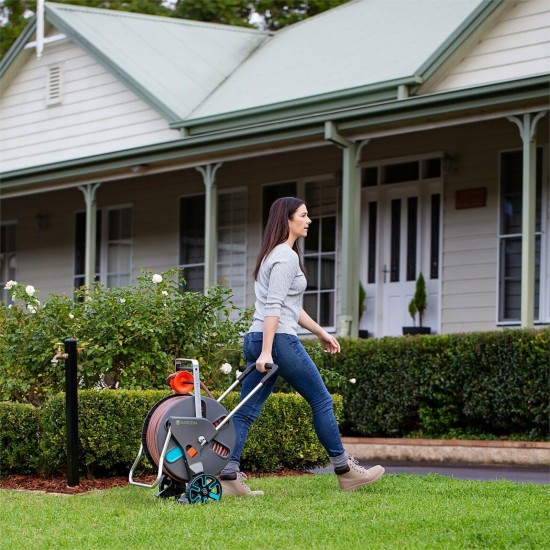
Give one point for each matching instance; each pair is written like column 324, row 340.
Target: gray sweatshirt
column 279, row 289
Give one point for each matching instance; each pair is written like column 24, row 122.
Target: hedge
column 493, row 384
column 484, row 385
column 19, row 438
column 110, row 426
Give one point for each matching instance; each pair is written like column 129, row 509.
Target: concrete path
column 482, row 473
column 461, row 471
column 520, row 461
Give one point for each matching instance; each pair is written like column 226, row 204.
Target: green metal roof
column 359, row 44
column 195, row 72
column 173, row 63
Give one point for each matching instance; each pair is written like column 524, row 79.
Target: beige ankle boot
column 352, row 476
column 237, row 487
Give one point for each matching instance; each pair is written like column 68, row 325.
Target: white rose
column 71, row 316
column 237, row 373
column 31, row 308
column 157, row 278
column 10, row 284
column 226, row 368
column 122, row 300
column 10, row 306
column 164, row 293
column 352, row 380
column 30, row 290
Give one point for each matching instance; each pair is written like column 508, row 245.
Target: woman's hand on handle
column 263, row 360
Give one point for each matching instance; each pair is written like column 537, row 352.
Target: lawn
column 400, row 511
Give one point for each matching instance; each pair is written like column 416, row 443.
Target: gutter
column 388, row 91
column 369, row 109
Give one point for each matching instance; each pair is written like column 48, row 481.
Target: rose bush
column 127, row 337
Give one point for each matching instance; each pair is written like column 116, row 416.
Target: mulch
column 58, row 484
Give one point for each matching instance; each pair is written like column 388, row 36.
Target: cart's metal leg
column 160, row 466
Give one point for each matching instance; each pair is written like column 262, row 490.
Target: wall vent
column 54, row 92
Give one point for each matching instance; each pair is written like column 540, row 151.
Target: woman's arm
column 329, row 342
column 270, row 326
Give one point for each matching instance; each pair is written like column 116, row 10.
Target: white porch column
column 211, row 222
column 351, row 216
column 89, row 192
column 527, row 128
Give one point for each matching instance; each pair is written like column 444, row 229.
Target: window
column 8, row 258
column 511, row 183
column 372, row 240
column 320, row 253
column 434, row 234
column 412, row 237
column 118, row 240
column 113, row 262
column 231, row 250
column 232, row 244
column 192, row 219
column 273, row 192
column 80, row 248
column 402, row 172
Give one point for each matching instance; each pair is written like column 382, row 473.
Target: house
column 417, row 131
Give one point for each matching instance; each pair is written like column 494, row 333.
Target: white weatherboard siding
column 518, row 46
column 45, row 257
column 97, row 114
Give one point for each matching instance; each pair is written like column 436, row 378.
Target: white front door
column 401, row 239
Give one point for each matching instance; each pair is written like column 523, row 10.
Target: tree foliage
column 268, row 14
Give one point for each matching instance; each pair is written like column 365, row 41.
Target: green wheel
column 203, row 488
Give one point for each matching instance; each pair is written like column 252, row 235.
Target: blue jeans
column 297, row 368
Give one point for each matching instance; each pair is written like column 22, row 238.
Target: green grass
column 398, row 512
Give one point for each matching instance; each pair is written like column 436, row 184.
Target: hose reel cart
column 189, row 436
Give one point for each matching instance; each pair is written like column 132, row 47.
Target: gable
column 95, row 113
column 516, row 46
column 173, row 63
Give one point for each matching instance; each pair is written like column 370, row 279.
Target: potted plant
column 362, row 298
column 417, row 306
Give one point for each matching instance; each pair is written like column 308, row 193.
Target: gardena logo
column 186, row 423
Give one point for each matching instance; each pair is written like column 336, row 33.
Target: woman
column 279, row 287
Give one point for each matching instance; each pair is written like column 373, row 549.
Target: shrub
column 492, row 383
column 111, row 424
column 19, row 438
column 127, row 337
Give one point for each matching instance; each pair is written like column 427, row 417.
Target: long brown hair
column 276, row 230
